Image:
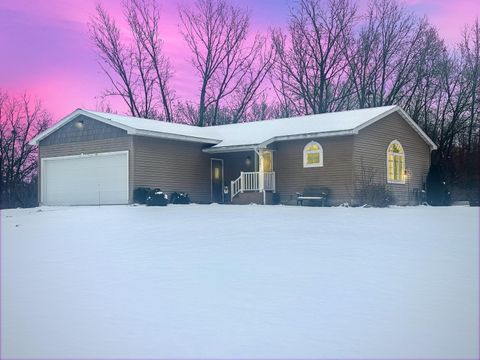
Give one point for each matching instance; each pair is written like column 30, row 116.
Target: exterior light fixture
column 79, row 124
column 408, row 174
column 248, row 161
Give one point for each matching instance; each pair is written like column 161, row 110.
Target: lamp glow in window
column 313, row 155
column 395, row 163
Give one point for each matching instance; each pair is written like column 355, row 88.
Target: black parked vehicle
column 157, row 198
column 179, row 198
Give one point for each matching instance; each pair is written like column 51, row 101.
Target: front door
column 217, row 180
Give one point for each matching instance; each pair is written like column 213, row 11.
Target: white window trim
column 402, row 155
column 305, row 152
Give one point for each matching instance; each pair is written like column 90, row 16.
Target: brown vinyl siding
column 172, row 166
column 370, row 152
column 95, row 137
column 336, row 173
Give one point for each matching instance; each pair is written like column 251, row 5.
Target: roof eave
column 418, row 129
column 225, row 149
column 252, row 147
column 171, row 136
column 308, row 136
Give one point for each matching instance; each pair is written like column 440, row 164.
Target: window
column 312, row 155
column 395, row 163
column 266, row 161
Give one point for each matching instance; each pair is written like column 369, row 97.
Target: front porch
column 256, row 181
column 243, row 177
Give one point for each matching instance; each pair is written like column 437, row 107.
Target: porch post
column 242, row 185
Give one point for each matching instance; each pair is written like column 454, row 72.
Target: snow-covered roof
column 151, row 127
column 242, row 136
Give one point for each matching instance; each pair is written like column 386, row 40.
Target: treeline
column 329, row 57
column 21, row 119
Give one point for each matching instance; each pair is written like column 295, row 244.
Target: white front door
column 96, row 179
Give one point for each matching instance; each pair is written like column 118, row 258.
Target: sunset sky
column 45, row 49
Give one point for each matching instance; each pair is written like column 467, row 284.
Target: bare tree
column 144, row 18
column 20, row 121
column 388, row 53
column 470, row 50
column 138, row 70
column 116, row 58
column 310, row 71
column 230, row 69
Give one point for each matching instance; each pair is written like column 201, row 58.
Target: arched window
column 395, row 163
column 312, row 155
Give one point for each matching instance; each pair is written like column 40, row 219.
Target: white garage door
column 96, row 179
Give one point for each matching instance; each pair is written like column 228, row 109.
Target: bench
column 313, row 194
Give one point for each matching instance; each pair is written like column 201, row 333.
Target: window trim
column 402, row 157
column 306, row 152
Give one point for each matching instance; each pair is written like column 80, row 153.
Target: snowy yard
column 216, row 281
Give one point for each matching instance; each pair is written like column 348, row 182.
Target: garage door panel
column 98, row 179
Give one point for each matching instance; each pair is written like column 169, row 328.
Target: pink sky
column 45, row 50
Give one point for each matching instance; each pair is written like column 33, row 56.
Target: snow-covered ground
column 218, row 281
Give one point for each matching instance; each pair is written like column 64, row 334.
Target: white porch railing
column 253, row 181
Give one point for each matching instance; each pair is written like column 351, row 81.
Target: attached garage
column 93, row 179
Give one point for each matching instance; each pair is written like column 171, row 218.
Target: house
column 91, row 157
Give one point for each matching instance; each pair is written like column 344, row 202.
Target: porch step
column 252, row 197
column 252, row 181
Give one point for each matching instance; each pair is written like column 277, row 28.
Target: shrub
column 179, row 198
column 437, row 190
column 157, row 198
column 140, row 195
column 375, row 195
column 275, row 199
column 23, row 194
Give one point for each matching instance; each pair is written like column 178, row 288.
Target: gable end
column 82, row 128
column 407, row 119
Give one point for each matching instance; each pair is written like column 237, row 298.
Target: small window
column 312, row 155
column 395, row 163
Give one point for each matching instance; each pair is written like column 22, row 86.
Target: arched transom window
column 312, row 155
column 395, row 163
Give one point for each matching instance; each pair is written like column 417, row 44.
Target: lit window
column 312, row 155
column 395, row 163
column 266, row 163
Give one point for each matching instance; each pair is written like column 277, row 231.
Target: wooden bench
column 314, row 194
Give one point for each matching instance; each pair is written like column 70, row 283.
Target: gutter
column 171, row 136
column 263, row 145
